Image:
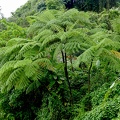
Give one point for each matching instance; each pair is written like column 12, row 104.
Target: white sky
column 9, row 6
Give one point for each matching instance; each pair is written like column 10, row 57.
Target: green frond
column 22, row 63
column 40, row 55
column 46, row 16
column 71, row 14
column 23, row 82
column 16, row 41
column 98, row 36
column 2, row 43
column 114, row 64
column 116, row 24
column 3, row 79
column 86, row 56
column 54, row 26
column 112, row 60
column 74, row 47
column 34, row 29
column 31, row 69
column 33, row 86
column 6, row 67
column 108, row 43
column 50, row 39
column 24, row 49
column 67, row 36
column 14, row 76
column 111, row 57
column 42, row 35
column 32, row 19
column 57, row 52
column 13, row 50
column 51, row 47
column 85, row 19
column 45, row 63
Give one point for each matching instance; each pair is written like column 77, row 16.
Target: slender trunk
column 89, row 84
column 67, row 78
column 89, row 76
column 64, row 58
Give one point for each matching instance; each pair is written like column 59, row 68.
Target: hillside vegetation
column 60, row 64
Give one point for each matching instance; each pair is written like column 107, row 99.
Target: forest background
column 60, row 60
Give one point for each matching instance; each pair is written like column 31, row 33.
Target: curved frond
column 14, row 76
column 23, row 82
column 24, row 49
column 33, row 86
column 31, row 69
column 22, row 63
column 6, row 67
column 108, row 43
column 86, row 56
column 57, row 51
column 45, row 63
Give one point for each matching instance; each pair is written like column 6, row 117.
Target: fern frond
column 46, row 16
column 33, row 86
column 112, row 60
column 6, row 67
column 22, row 63
column 41, row 54
column 116, row 24
column 16, row 41
column 71, row 14
column 51, row 39
column 111, row 57
column 98, row 36
column 45, row 63
column 14, row 76
column 42, row 35
column 74, row 47
column 24, row 49
column 57, row 51
column 35, row 28
column 54, row 26
column 86, row 56
column 23, row 82
column 108, row 43
column 12, row 50
column 31, row 69
column 2, row 43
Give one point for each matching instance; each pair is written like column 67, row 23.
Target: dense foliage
column 58, row 64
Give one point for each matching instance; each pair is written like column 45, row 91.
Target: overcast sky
column 9, row 6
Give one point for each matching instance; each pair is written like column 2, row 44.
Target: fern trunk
column 89, row 85
column 89, row 76
column 64, row 58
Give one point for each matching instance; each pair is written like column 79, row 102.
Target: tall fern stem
column 64, row 57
